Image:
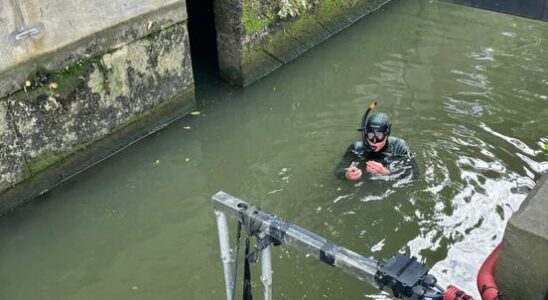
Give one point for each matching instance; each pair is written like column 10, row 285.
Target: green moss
column 330, row 9
column 335, row 12
column 289, row 37
column 66, row 80
column 254, row 23
column 331, row 5
column 302, row 26
column 70, row 78
column 287, row 42
column 44, row 160
column 253, row 19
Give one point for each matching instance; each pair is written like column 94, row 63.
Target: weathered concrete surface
column 93, row 96
column 11, row 157
column 74, row 30
column 522, row 267
column 255, row 37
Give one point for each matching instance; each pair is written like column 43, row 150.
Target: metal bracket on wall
column 34, row 31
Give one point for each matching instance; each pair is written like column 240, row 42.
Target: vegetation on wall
column 258, row 14
column 291, row 8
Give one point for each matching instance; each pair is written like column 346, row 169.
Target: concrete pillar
column 255, row 37
column 80, row 80
column 522, row 267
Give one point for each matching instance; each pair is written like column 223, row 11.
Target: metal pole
column 266, row 276
column 401, row 275
column 222, row 228
column 299, row 238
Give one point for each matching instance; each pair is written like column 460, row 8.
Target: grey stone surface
column 229, row 28
column 11, row 155
column 120, row 86
column 522, row 267
column 74, row 30
column 254, row 38
column 73, row 115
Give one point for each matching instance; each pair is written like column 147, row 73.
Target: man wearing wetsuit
column 377, row 153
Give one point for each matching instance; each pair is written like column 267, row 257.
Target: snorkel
column 372, row 106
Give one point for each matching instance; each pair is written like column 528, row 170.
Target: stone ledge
column 254, row 40
column 94, row 153
column 97, row 106
column 524, row 255
column 95, row 27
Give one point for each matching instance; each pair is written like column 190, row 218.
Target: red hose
column 454, row 293
column 486, row 281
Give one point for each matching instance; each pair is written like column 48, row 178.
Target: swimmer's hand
column 376, row 168
column 353, row 172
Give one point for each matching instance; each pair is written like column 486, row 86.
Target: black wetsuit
column 395, row 156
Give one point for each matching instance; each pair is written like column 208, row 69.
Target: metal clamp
column 34, row 31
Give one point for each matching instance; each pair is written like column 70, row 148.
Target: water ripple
column 521, row 146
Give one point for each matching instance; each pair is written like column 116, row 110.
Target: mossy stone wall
column 66, row 119
column 255, row 37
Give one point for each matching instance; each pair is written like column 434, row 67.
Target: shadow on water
column 203, row 44
column 533, row 9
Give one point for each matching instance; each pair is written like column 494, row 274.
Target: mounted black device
column 406, row 278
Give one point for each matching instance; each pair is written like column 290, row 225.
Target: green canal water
column 467, row 89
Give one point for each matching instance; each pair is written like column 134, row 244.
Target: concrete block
column 72, row 117
column 522, row 267
column 11, row 154
column 74, row 30
column 255, row 37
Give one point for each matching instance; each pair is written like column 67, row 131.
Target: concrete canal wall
column 91, row 77
column 80, row 80
column 255, row 37
column 522, row 266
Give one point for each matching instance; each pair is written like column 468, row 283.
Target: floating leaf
column 187, row 159
column 546, row 147
column 195, row 113
column 157, row 161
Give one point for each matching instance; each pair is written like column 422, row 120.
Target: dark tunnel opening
column 203, row 43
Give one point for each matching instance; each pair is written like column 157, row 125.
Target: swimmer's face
column 376, row 139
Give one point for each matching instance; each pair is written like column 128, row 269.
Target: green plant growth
column 328, row 9
column 336, row 4
column 44, row 160
column 59, row 83
column 253, row 19
column 291, row 8
column 257, row 14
